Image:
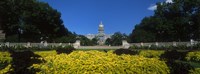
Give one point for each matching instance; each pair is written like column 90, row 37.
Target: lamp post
column 41, row 38
column 191, row 34
column 20, row 31
column 191, row 30
column 21, row 24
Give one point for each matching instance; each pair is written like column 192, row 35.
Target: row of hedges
column 151, row 53
column 143, row 61
column 179, row 62
column 193, row 56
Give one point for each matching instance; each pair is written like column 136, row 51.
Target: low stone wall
column 100, row 47
column 42, row 44
column 34, row 44
column 77, row 45
column 164, row 43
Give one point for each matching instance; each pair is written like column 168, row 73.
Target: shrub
column 196, row 46
column 46, row 53
column 6, row 69
column 67, row 49
column 151, row 53
column 193, row 56
column 21, row 60
column 5, row 59
column 179, row 67
column 100, row 62
column 174, row 55
column 182, row 47
column 126, row 51
column 195, row 71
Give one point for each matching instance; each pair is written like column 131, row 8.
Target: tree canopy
column 116, row 39
column 33, row 20
column 87, row 42
column 176, row 21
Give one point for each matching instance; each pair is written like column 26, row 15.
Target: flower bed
column 100, row 62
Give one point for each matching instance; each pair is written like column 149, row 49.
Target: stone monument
column 77, row 44
column 125, row 44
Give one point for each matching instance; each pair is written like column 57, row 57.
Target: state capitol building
column 101, row 35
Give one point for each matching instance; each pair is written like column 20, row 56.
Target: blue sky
column 84, row 16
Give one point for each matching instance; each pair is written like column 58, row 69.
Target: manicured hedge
column 5, row 61
column 195, row 71
column 151, row 53
column 193, row 56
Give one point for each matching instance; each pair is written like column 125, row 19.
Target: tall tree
column 32, row 19
column 116, row 39
column 176, row 21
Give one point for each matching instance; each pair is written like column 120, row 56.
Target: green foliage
column 35, row 18
column 95, row 61
column 193, row 56
column 94, row 41
column 100, row 62
column 6, row 69
column 5, row 60
column 71, row 38
column 196, row 46
column 108, row 41
column 172, row 55
column 65, row 39
column 126, row 51
column 141, row 35
column 87, row 42
column 195, row 71
column 66, row 49
column 116, row 39
column 151, row 53
column 177, row 21
column 181, row 47
column 46, row 53
column 179, row 67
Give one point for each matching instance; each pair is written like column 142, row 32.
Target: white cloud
column 169, row 1
column 152, row 7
